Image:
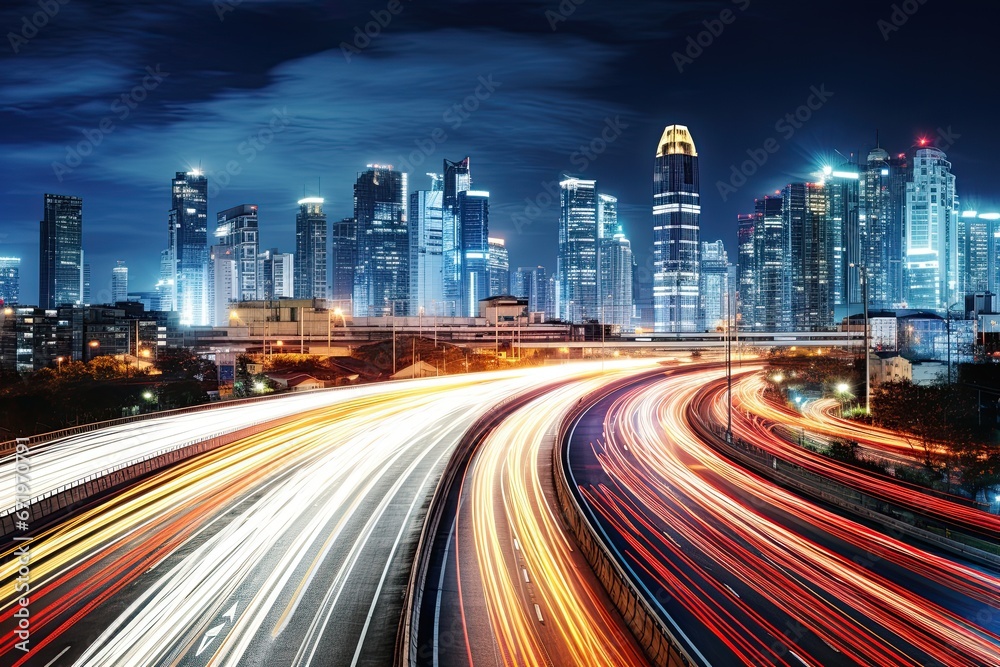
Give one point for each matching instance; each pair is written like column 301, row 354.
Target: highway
column 513, row 591
column 745, row 573
column 290, row 547
column 754, row 418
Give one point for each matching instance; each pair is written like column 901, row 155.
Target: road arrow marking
column 209, row 636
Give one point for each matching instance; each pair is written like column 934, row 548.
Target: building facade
column 932, row 252
column 382, row 272
column 474, row 232
column 426, row 252
column 60, row 262
column 238, row 229
column 310, row 249
column 10, row 281
column 187, row 223
column 805, row 212
column 577, row 269
column 676, row 232
column 498, row 267
column 714, row 289
column 616, row 282
column 344, row 252
column 119, row 282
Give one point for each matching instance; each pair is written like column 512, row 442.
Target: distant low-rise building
column 888, row 367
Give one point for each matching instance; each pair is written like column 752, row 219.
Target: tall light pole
column 730, row 322
column 863, row 272
column 948, row 327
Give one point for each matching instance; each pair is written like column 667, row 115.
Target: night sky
column 551, row 77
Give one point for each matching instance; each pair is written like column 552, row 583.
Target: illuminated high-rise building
column 804, row 209
column 714, row 288
column 577, row 269
column 498, row 267
column 457, row 178
column 60, row 265
column 932, row 239
column 844, row 227
column 188, row 245
column 474, row 232
column 275, row 275
column 765, row 283
column 222, row 279
column 382, row 271
column 975, row 241
column 881, row 211
column 310, row 249
column 119, row 283
column 676, row 232
column 10, row 280
column 531, row 283
column 237, row 228
column 615, row 273
column 426, row 261
column 344, row 254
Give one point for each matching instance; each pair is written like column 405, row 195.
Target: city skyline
column 129, row 164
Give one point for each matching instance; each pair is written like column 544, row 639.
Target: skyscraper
column 474, row 232
column 426, row 261
column 457, row 178
column 382, row 275
column 222, row 282
column 577, row 269
column 615, row 296
column 344, row 249
column 188, row 244
column 531, row 283
column 931, row 233
column 237, row 228
column 310, row 249
column 498, row 267
column 772, row 284
column 676, row 230
column 607, row 216
column 714, row 287
column 975, row 275
column 275, row 275
column 746, row 302
column 85, row 283
column 119, row 282
column 805, row 216
column 60, row 265
column 844, row 226
column 882, row 203
column 10, row 280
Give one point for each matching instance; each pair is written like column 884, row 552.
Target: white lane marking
column 61, row 654
column 796, row 656
column 538, row 612
column 731, row 590
column 525, row 570
column 404, row 526
column 517, row 545
column 209, row 638
column 231, row 614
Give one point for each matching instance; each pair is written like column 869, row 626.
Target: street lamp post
column 863, row 271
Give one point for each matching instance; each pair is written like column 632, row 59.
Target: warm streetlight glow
column 280, row 343
column 95, row 343
column 338, row 312
column 843, row 387
column 258, row 386
column 145, row 353
column 8, row 311
column 233, row 314
column 777, row 379
column 148, row 395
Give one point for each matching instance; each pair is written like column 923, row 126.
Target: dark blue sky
column 203, row 90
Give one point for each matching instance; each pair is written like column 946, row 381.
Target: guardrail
column 66, row 497
column 659, row 644
column 8, row 446
column 816, row 486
